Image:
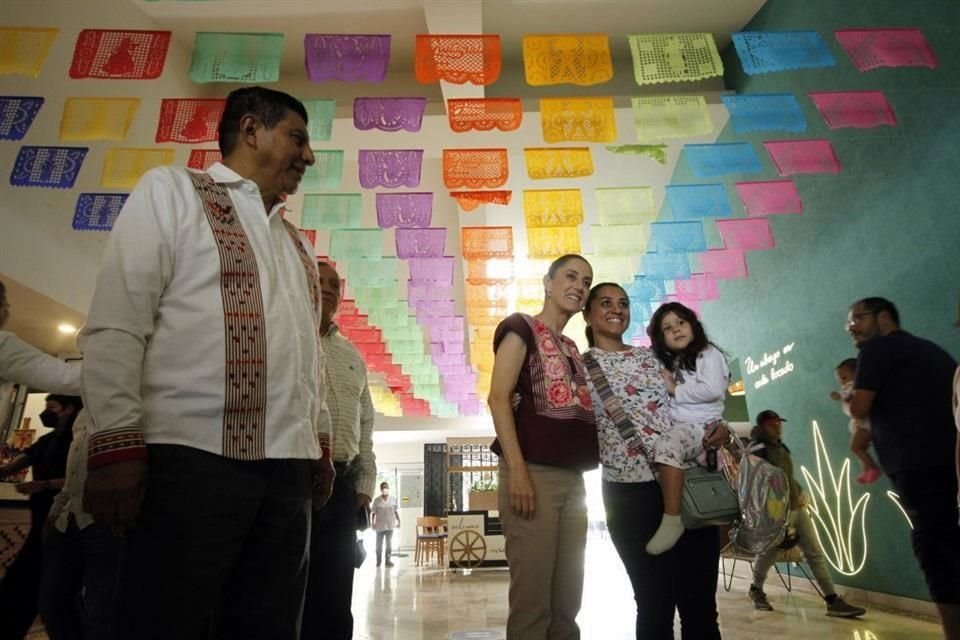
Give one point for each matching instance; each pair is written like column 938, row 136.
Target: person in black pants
column 626, row 381
column 682, row 579
column 20, row 587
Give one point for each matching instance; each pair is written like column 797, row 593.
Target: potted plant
column 483, row 495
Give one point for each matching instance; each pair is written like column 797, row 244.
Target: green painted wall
column 888, row 225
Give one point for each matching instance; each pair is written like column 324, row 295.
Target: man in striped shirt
column 326, row 611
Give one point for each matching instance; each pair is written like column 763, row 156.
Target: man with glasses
column 903, row 384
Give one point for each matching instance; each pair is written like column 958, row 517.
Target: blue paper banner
column 98, row 211
column 643, row 290
column 670, row 266
column 765, row 112
column 695, row 201
column 55, row 167
column 16, row 116
column 767, row 51
column 331, row 211
column 677, row 237
column 711, row 160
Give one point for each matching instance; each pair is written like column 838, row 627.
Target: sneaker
column 389, row 564
column 759, row 599
column 840, row 609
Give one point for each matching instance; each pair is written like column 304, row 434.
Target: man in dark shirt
column 48, row 458
column 903, row 384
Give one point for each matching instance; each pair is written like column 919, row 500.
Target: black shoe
column 840, row 609
column 759, row 599
column 389, row 564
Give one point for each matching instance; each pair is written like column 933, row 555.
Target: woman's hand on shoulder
column 669, row 380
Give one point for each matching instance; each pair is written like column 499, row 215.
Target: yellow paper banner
column 97, row 118
column 124, row 167
column 552, row 208
column 619, row 269
column 558, row 162
column 665, row 117
column 674, row 57
column 566, row 59
column 552, row 242
column 625, row 205
column 487, row 295
column 620, row 239
column 577, row 119
column 23, row 50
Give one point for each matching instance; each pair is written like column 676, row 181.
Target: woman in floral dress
column 685, row 577
column 545, row 445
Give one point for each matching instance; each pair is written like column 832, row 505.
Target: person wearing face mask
column 48, row 459
column 385, row 519
column 23, row 364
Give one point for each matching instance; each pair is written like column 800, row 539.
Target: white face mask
column 385, row 493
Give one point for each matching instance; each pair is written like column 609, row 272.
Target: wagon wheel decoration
column 468, row 549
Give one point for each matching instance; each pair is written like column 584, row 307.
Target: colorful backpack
column 763, row 491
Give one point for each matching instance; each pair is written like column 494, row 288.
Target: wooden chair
column 430, row 540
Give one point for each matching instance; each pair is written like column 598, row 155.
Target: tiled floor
column 409, row 603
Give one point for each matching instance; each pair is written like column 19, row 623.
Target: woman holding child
column 684, row 577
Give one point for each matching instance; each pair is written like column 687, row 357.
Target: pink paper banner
column 874, row 48
column 854, row 109
column 770, row 198
column 700, row 286
column 746, row 233
column 803, row 156
column 189, row 119
column 724, row 264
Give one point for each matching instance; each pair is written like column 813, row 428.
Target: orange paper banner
column 484, row 114
column 458, row 58
column 475, row 168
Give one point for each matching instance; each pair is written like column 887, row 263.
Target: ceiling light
column 66, row 328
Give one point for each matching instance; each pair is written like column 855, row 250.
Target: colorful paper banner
column 669, row 117
column 765, row 112
column 855, row 109
column 677, row 237
column 484, row 114
column 674, row 57
column 721, row 159
column 769, row 51
column 98, row 211
column 16, row 115
column 558, row 162
column 619, row 240
column 236, row 57
column 458, row 59
column 202, row 158
column 577, row 119
column 53, row 167
column 656, row 152
column 23, row 50
column 694, row 201
column 873, row 48
column 388, row 114
column 470, row 200
column 726, row 264
column 772, row 197
column 404, row 209
column 566, row 59
column 552, row 208
column 356, row 243
column 326, row 172
column 331, row 211
column 189, row 119
column 124, row 167
column 550, row 242
column 803, row 156
column 421, row 243
column 390, row 168
column 486, row 242
column 349, row 58
column 475, row 168
column 669, row 266
column 746, row 234
column 120, row 54
column 320, row 115
column 97, row 118
column 625, row 205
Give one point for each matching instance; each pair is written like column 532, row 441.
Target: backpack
column 763, row 491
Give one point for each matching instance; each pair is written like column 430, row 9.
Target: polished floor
column 410, row 603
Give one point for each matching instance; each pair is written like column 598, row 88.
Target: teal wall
column 888, row 225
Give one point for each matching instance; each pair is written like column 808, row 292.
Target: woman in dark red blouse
column 545, row 445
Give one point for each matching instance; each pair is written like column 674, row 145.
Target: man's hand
column 31, row 487
column 113, row 493
column 323, row 476
column 363, row 500
column 717, row 434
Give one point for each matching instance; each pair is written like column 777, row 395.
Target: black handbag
column 363, row 518
column 360, row 554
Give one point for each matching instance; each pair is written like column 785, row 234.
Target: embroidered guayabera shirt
column 204, row 326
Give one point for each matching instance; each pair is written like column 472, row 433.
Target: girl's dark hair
column 591, row 297
column 685, row 360
column 384, row 484
column 3, row 293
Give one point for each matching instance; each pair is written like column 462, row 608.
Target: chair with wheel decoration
column 430, row 540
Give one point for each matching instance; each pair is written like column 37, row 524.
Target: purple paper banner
column 388, row 114
column 16, row 116
column 404, row 209
column 390, row 168
column 350, row 58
